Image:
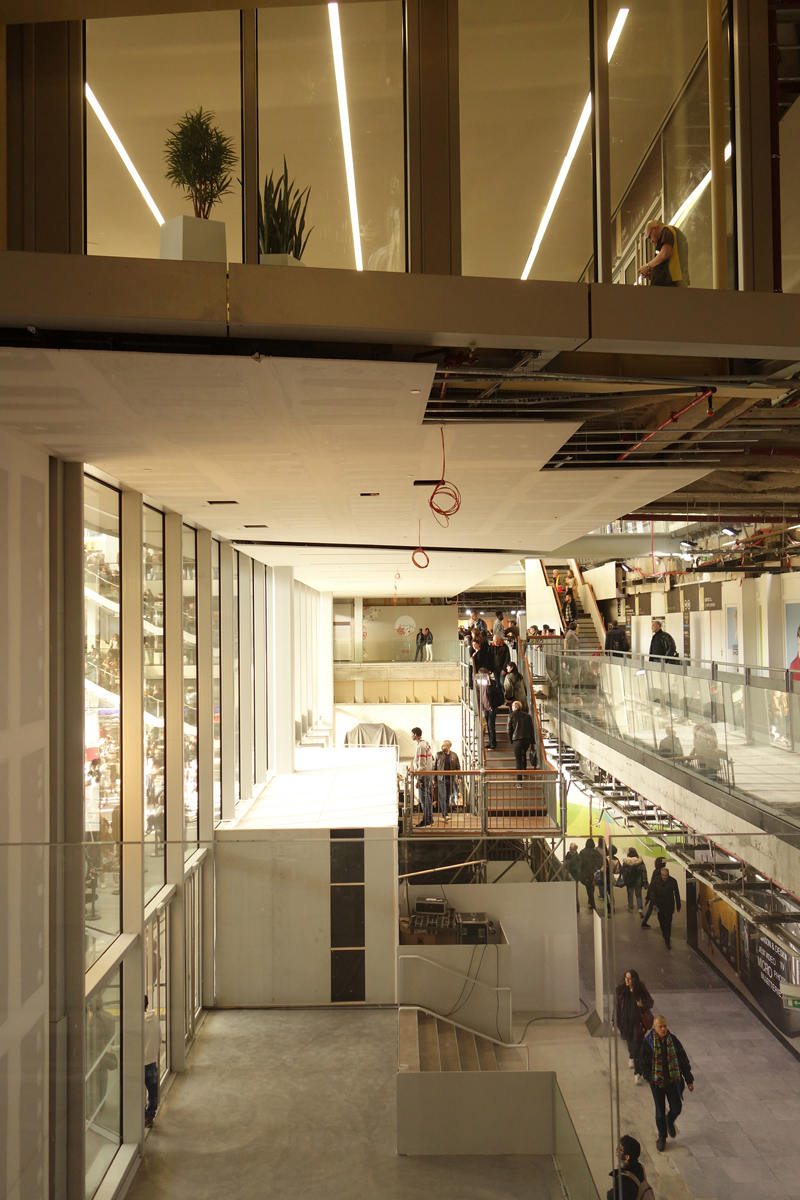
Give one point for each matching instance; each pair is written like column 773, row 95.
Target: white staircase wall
column 541, row 607
column 433, row 977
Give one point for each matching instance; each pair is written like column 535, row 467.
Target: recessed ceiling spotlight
column 369, row 493
column 222, row 501
column 255, row 527
column 415, row 391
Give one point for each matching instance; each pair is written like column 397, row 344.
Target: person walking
column 514, row 686
column 447, row 760
column 499, row 657
column 520, row 734
column 663, row 892
column 572, row 865
column 152, row 1044
column 591, row 860
column 616, row 642
column 423, row 761
column 491, row 697
column 571, row 641
column 659, row 863
column 420, row 645
column 428, row 645
column 628, row 1180
column 634, row 873
column 498, row 629
column 662, row 644
column 665, row 1066
column 634, row 1016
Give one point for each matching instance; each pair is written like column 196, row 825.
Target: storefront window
column 216, row 695
column 102, row 776
column 143, row 74
column 190, row 795
column 103, row 1081
column 660, row 142
column 154, row 740
column 301, row 119
column 526, row 154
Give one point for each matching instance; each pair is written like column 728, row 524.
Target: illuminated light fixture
column 580, row 129
column 344, row 118
column 694, row 196
column 123, row 153
column 730, row 532
column 640, row 672
column 469, row 612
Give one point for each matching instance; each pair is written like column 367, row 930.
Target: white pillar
column 324, row 658
column 280, row 661
column 358, row 629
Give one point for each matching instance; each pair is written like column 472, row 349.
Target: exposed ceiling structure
column 312, row 463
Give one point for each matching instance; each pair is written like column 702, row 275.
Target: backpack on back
column 645, row 1191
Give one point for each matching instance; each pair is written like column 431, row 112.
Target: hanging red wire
column 419, row 550
column 445, row 499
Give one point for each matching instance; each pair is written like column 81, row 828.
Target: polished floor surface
column 299, row 1105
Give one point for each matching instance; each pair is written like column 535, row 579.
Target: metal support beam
column 249, row 163
column 173, row 708
column 753, row 160
column 601, row 143
column 716, row 121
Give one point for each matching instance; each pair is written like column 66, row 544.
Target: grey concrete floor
column 301, row 1104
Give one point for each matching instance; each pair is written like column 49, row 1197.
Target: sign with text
column 712, row 597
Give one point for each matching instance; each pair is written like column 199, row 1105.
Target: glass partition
column 190, row 792
column 237, row 783
column 216, row 695
column 342, row 137
column 102, row 775
column 142, row 75
column 660, row 141
column 103, row 1081
column 526, row 152
column 154, row 727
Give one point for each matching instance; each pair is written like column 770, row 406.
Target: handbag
column 619, row 881
column 646, row 1017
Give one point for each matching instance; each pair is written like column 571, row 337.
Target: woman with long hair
column 634, row 1018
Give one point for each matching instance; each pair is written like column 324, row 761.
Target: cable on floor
column 574, row 1017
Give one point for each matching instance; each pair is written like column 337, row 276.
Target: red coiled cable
column 444, row 491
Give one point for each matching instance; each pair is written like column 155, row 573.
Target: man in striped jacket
column 423, row 761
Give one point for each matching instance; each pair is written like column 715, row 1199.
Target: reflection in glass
column 299, row 119
column 154, row 739
column 102, row 778
column 103, row 1081
column 215, row 681
column 156, row 951
column 189, row 626
column 145, row 73
column 660, row 143
column 523, row 88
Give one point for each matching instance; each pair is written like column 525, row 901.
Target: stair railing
column 589, row 603
column 466, row 1028
column 501, row 994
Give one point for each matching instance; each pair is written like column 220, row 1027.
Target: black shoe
column 661, row 1144
column 671, row 1130
column 645, row 925
column 668, row 945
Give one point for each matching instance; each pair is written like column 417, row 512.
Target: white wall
column 383, row 643
column 24, row 826
column 540, row 923
column 437, row 722
column 603, row 580
column 273, row 932
column 540, row 602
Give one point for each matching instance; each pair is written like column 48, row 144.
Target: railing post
column 408, row 804
column 483, row 801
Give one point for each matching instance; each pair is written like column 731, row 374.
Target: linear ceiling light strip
column 344, row 117
column 123, row 153
column 695, row 195
column 583, row 121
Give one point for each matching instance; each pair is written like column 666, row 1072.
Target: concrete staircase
column 587, row 635
column 430, row 1043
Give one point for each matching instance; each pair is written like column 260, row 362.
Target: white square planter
column 280, row 260
column 193, row 239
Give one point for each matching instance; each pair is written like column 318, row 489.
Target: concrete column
column 132, row 588
column 280, row 670
column 358, row 629
column 756, row 170
column 260, row 664
column 246, row 763
column 325, row 658
column 748, row 629
column 226, row 567
column 205, row 752
column 601, row 144
column 173, row 680
column 774, row 645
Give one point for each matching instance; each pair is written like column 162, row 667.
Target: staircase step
column 467, row 1050
column 428, row 1043
column 510, row 1058
column 448, row 1046
column 486, row 1055
column 408, row 1040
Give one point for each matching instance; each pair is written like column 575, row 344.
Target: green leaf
column 200, row 159
column 281, row 219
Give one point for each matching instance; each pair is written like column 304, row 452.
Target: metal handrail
column 530, row 772
column 495, row 1041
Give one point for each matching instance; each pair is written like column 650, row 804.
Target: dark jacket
column 440, row 764
column 664, row 894
column 617, row 639
column 520, row 726
column 491, row 696
column 591, row 860
column 420, row 638
column 572, row 863
column 499, row 657
column 629, row 1015
column 479, row 657
column 662, row 645
column 646, row 1057
column 630, row 1187
column 428, row 638
column 634, row 871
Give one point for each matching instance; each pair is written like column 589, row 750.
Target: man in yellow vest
column 664, row 269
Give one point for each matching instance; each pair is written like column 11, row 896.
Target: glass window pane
column 215, row 681
column 237, row 786
column 145, row 73
column 103, row 1081
column 660, row 147
column 163, row 1001
column 190, row 799
column 102, row 776
column 524, row 88
column 154, row 741
column 299, row 118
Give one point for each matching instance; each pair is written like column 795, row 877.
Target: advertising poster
column 793, row 638
column 763, row 965
column 720, row 923
column 732, row 632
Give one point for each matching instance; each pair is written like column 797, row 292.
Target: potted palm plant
column 282, row 221
column 200, row 159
